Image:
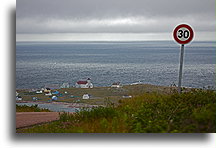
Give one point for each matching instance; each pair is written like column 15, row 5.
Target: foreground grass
column 33, row 108
column 192, row 112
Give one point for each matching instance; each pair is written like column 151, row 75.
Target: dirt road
column 25, row 119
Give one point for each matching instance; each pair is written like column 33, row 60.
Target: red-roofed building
column 84, row 84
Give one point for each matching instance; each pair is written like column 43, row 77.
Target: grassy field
column 147, row 112
column 99, row 95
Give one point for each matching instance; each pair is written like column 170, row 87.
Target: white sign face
column 183, row 34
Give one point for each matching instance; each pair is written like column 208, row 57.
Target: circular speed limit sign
column 183, row 34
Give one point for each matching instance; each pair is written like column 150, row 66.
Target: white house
column 48, row 94
column 116, row 85
column 18, row 98
column 86, row 96
column 39, row 92
column 47, row 90
column 84, row 84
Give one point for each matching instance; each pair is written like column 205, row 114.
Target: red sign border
column 185, row 26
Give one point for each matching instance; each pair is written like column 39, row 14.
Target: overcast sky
column 112, row 19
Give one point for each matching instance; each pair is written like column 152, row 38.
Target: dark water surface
column 52, row 107
column 153, row 62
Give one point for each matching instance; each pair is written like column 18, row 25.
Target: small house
column 86, row 96
column 116, row 85
column 48, row 94
column 47, row 90
column 39, row 92
column 18, row 98
column 84, row 84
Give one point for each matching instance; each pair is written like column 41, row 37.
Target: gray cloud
column 112, row 16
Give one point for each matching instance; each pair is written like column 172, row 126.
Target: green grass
column 192, row 112
column 33, row 108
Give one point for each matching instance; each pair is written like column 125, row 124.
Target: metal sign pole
column 180, row 68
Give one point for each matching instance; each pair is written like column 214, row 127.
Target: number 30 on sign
column 183, row 34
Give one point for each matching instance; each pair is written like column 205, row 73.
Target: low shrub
column 33, row 108
column 191, row 112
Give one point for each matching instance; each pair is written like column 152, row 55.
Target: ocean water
column 151, row 62
column 52, row 107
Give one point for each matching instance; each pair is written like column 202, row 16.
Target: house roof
column 116, row 83
column 82, row 82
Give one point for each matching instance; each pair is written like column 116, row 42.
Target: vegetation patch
column 33, row 108
column 191, row 112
